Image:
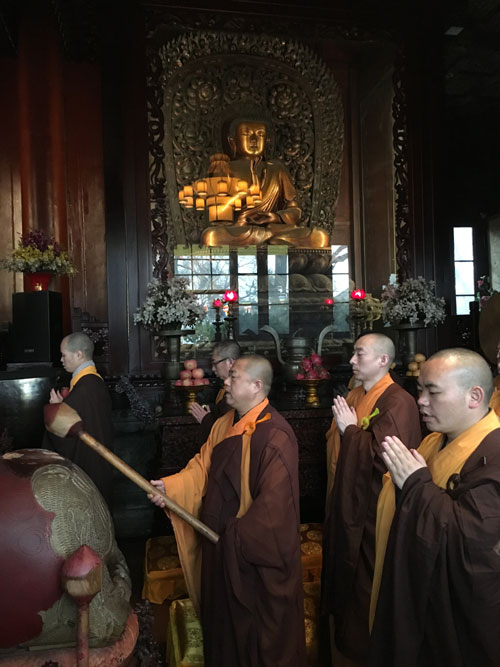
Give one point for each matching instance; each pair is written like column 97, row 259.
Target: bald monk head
column 455, row 388
column 248, row 383
column 75, row 350
column 372, row 358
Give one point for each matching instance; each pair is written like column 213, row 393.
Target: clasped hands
column 343, row 414
column 401, row 462
column 199, row 412
column 55, row 396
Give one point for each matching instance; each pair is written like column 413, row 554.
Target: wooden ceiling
column 471, row 59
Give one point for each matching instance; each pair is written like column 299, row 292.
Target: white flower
column 412, row 301
column 169, row 303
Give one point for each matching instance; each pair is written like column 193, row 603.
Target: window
column 206, row 269
column 277, row 276
column 463, row 251
column 247, row 288
column 341, row 291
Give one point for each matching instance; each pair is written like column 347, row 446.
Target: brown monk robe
column 381, row 407
column 244, row 485
column 439, row 598
column 89, row 396
column 495, row 397
column 218, row 409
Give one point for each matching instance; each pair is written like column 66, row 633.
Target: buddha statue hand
column 257, row 217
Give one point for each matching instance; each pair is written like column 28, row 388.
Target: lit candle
column 230, row 295
column 201, row 188
column 329, row 301
column 358, row 294
column 242, row 188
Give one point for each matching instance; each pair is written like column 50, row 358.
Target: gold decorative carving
column 195, row 79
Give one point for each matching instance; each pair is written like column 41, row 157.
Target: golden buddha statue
column 271, row 213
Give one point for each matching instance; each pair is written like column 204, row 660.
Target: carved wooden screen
column 197, row 81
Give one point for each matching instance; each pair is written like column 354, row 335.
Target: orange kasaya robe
column 439, row 600
column 495, row 397
column 188, row 487
column 363, row 402
column 442, row 462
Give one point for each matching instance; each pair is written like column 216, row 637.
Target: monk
column 89, row 396
column 376, row 408
column 224, row 355
column 244, row 485
column 439, row 599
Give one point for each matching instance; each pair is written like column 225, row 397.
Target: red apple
column 198, row 381
column 190, row 364
column 206, row 381
column 187, row 382
column 184, row 375
column 198, row 372
column 178, row 383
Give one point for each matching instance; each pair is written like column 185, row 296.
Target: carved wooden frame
column 316, row 116
column 164, row 22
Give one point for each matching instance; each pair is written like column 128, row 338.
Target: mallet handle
column 146, row 486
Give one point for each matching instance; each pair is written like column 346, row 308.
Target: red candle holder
column 329, row 301
column 217, row 303
column 358, row 294
column 231, row 296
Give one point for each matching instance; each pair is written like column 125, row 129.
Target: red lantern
column 230, row 295
column 358, row 294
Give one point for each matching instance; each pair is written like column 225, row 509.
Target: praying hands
column 400, row 461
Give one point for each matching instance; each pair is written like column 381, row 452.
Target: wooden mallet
column 63, row 421
column 81, row 578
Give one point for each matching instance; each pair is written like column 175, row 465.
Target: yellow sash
column 188, row 487
column 442, row 464
column 220, row 395
column 363, row 402
column 88, row 370
column 495, row 397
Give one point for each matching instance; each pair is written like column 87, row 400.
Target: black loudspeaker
column 36, row 326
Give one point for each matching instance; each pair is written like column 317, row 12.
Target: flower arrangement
column 37, row 252
column 169, row 304
column 484, row 291
column 311, row 368
column 412, row 301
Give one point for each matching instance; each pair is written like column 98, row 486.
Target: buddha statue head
column 247, row 134
column 248, row 139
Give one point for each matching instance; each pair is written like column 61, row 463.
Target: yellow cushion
column 311, row 536
column 184, row 636
column 163, row 576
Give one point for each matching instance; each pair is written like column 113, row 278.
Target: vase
column 170, row 340
column 38, row 282
column 190, row 395
column 311, row 386
column 407, row 340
